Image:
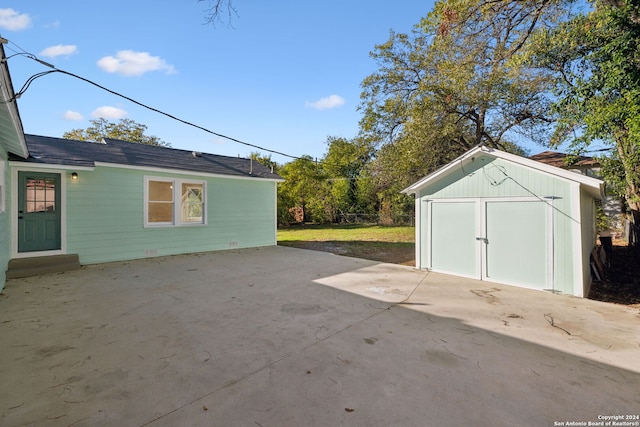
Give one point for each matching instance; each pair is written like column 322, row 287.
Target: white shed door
column 453, row 247
column 503, row 241
column 516, row 245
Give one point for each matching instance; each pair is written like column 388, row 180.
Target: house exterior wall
column 5, row 217
column 494, row 178
column 104, row 215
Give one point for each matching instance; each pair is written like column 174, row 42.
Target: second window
column 174, row 202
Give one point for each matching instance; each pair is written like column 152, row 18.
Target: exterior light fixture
column 74, row 176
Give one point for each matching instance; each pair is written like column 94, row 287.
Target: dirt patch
column 395, row 253
column 621, row 283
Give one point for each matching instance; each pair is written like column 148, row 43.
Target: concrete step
column 37, row 266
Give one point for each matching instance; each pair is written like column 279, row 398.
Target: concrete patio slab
column 280, row 336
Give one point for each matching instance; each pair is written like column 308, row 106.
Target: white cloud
column 73, row 116
column 53, row 25
column 328, row 102
column 130, row 63
column 59, row 50
column 109, row 112
column 14, row 21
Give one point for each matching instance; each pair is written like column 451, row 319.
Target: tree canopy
column 457, row 78
column 455, row 82
column 597, row 58
column 125, row 130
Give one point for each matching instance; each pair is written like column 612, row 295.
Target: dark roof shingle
column 59, row 151
column 559, row 160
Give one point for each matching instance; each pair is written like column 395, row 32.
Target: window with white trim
column 192, row 202
column 174, row 202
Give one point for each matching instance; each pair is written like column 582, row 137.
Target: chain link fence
column 364, row 218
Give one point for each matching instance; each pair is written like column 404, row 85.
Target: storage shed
column 496, row 216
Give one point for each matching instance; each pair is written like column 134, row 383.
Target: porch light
column 74, row 176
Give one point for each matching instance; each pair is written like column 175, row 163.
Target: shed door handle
column 483, row 240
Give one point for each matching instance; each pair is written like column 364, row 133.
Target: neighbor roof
column 594, row 186
column 559, row 160
column 66, row 152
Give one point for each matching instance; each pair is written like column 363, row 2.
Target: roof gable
column 593, row 186
column 65, row 152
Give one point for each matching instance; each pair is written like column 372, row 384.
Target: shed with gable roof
column 503, row 218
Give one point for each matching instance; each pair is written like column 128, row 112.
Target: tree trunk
column 631, row 174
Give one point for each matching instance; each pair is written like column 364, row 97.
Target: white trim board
column 45, row 167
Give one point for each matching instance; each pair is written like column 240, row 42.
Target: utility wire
column 54, row 69
column 176, row 118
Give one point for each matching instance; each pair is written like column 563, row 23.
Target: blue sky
column 286, row 76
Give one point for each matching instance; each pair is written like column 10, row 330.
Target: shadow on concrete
column 277, row 336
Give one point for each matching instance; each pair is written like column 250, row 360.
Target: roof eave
column 13, row 138
column 415, row 187
column 159, row 169
column 596, row 186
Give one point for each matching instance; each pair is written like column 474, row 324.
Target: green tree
column 346, row 157
column 344, row 164
column 303, row 195
column 455, row 82
column 324, row 191
column 455, row 77
column 125, row 130
column 597, row 56
column 366, row 194
column 265, row 160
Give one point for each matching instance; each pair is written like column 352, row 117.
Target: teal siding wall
column 488, row 177
column 5, row 219
column 565, row 240
column 105, row 217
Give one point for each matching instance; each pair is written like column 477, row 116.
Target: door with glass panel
column 38, row 211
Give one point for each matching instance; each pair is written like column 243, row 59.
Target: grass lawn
column 393, row 244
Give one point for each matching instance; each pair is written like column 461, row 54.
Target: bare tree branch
column 218, row 9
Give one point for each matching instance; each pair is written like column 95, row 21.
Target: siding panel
column 105, row 217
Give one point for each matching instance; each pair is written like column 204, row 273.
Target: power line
column 54, row 69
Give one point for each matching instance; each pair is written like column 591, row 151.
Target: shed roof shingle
column 66, row 152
